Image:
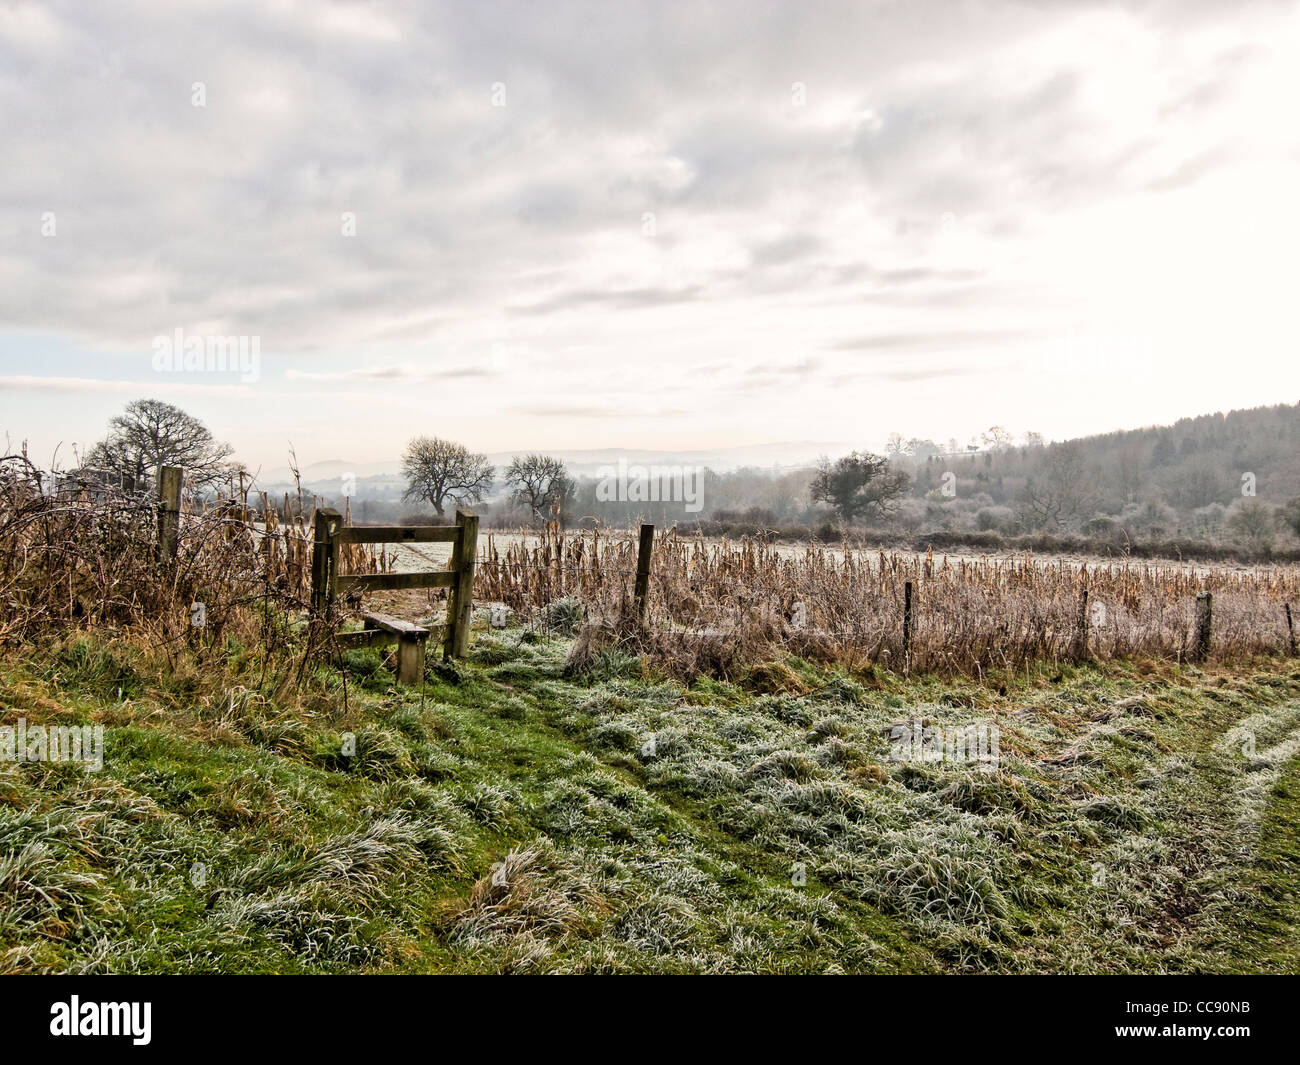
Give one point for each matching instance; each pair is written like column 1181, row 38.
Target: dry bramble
column 80, row 554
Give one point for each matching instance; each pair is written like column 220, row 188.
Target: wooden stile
column 328, row 585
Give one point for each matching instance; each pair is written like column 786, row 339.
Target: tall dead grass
column 85, row 558
column 714, row 606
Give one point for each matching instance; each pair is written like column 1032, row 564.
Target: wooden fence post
column 643, row 552
column 1081, row 645
column 1290, row 631
column 1204, row 615
column 324, row 559
column 169, row 511
column 907, row 624
column 461, row 607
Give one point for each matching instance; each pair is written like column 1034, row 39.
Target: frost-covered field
column 512, row 814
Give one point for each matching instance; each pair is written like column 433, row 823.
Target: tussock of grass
column 531, row 893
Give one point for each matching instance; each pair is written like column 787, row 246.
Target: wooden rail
column 393, row 582
column 393, row 534
column 328, row 584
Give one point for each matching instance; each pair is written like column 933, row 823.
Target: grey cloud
column 789, row 248
column 775, row 375
column 907, row 376
column 394, row 373
column 886, row 342
column 593, row 411
column 170, row 215
column 1191, row 170
column 622, row 299
column 33, row 383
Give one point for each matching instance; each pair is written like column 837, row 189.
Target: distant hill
column 1210, row 476
column 324, row 477
column 1193, row 463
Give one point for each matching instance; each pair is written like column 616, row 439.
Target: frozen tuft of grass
column 532, row 892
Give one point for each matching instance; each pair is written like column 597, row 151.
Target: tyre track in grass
column 1187, row 880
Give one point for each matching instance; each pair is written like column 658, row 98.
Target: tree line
column 1234, row 476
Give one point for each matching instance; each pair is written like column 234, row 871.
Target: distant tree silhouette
column 439, row 470
column 541, row 484
column 150, row 433
column 860, row 484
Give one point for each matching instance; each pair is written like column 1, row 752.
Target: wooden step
column 405, row 629
column 385, row 629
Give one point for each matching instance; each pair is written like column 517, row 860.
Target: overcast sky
column 670, row 225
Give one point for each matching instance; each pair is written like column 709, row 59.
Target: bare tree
column 1064, row 490
column 1289, row 515
column 540, row 483
column 1253, row 521
column 150, row 434
column 439, row 470
column 858, row 483
column 997, row 438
